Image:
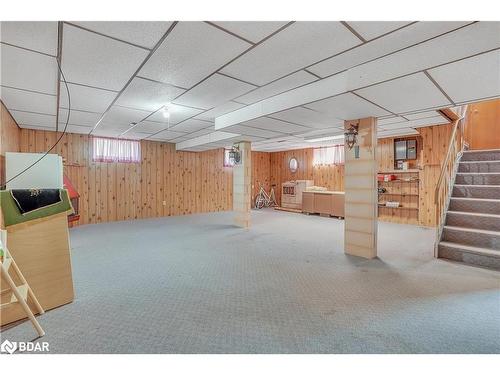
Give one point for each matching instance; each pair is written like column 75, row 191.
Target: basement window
column 328, row 155
column 228, row 162
column 111, row 150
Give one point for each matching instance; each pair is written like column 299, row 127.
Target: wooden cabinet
column 323, row 202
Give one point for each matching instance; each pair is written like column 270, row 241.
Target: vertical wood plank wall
column 165, row 183
column 9, row 138
column 483, row 125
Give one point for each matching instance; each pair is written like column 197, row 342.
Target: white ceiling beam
column 204, row 139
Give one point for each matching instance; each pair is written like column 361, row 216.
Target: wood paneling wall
column 332, row 177
column 165, row 183
column 483, row 125
column 9, row 138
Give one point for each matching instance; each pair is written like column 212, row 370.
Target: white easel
column 20, row 292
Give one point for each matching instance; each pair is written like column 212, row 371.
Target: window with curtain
column 328, row 155
column 111, row 150
column 227, row 161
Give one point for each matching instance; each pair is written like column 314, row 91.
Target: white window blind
column 111, row 150
column 328, row 155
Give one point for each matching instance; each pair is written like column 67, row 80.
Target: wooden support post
column 360, row 230
column 242, row 186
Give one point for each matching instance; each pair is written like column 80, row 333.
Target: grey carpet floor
column 196, row 284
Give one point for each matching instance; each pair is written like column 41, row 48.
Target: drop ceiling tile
column 284, row 84
column 405, row 94
column 254, row 132
column 473, row 78
column 320, row 132
column 191, row 52
column 177, row 113
column 123, row 115
column 372, row 29
column 85, row 98
column 28, row 101
column 396, row 133
column 272, row 124
column 107, row 132
column 308, row 117
column 296, row 47
column 34, row 119
column 437, row 120
column 214, row 91
column 34, row 35
column 80, row 118
column 94, row 60
column 34, row 127
column 150, row 127
column 166, row 135
column 467, row 41
column 190, row 126
column 27, row 70
column 199, row 133
column 400, row 39
column 219, row 111
column 147, row 95
column 133, row 135
column 347, row 107
column 391, row 120
column 419, row 115
column 141, row 33
column 77, row 129
column 253, row 31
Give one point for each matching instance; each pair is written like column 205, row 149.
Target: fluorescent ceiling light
column 325, row 138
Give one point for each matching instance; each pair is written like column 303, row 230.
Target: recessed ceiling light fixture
column 325, row 138
column 166, row 113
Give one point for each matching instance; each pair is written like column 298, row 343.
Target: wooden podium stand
column 41, row 250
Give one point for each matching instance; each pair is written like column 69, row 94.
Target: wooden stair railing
column 446, row 180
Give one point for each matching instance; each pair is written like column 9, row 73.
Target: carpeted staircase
column 472, row 229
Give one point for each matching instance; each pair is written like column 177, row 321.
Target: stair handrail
column 449, row 166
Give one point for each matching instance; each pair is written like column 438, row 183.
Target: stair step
column 476, row 155
column 473, row 220
column 491, row 178
column 480, row 205
column 479, row 166
column 469, row 254
column 476, row 191
column 472, row 237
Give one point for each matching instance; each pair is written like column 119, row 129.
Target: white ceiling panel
column 473, row 78
column 94, row 60
column 37, row 36
column 34, row 119
column 276, row 125
column 435, row 120
column 107, row 132
column 419, row 115
column 254, row 31
column 191, row 52
column 219, row 111
column 249, row 131
column 177, row 113
column 319, row 132
column 308, row 117
column 190, row 126
column 405, row 94
column 396, row 133
column 123, row 115
column 372, row 29
column 400, row 39
column 134, row 135
column 28, row 101
column 289, row 82
column 149, row 127
column 214, row 91
column 468, row 41
column 390, row 120
column 147, row 95
column 34, row 127
column 27, row 70
column 297, row 46
column 78, row 129
column 141, row 33
column 199, row 133
column 347, row 107
column 166, row 135
column 80, row 118
column 85, row 98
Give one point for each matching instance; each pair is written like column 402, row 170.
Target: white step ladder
column 20, row 293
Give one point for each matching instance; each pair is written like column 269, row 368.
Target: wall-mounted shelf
column 405, row 190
